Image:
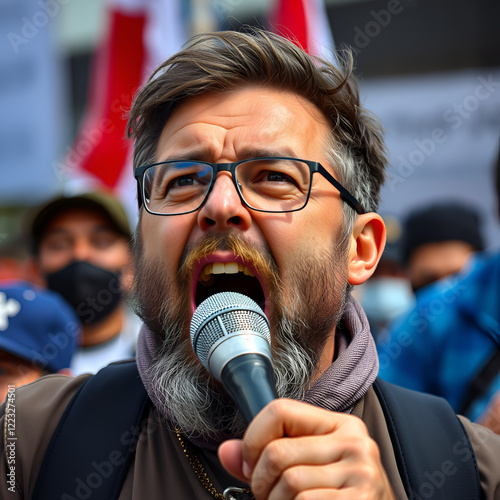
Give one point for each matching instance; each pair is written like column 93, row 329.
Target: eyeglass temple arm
column 139, row 194
column 344, row 194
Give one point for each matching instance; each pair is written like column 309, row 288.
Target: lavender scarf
column 346, row 380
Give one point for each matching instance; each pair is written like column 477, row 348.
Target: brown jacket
column 160, row 468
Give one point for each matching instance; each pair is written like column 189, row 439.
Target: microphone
column 230, row 335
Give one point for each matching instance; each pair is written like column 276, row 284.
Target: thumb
column 230, row 457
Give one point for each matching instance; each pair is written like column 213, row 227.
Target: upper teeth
column 224, row 268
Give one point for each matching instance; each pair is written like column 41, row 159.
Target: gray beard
column 193, row 400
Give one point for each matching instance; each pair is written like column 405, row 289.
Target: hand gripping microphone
column 230, row 335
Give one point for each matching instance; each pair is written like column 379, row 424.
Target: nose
column 82, row 249
column 224, row 209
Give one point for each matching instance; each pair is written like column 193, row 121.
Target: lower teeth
column 207, row 280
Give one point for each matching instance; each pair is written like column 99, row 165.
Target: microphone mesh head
column 222, row 315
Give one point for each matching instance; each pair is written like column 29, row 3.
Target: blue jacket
column 447, row 338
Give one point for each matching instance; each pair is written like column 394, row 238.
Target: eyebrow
column 259, row 152
column 196, row 154
column 244, row 154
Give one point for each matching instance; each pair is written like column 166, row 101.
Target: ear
column 367, row 244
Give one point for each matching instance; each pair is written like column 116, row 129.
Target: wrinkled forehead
column 239, row 122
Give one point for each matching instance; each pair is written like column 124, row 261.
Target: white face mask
column 384, row 299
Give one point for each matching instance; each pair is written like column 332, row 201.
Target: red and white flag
column 140, row 35
column 305, row 22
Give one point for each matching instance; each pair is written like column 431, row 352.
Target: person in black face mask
column 80, row 247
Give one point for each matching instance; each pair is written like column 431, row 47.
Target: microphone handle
column 249, row 380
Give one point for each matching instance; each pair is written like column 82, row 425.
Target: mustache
column 258, row 256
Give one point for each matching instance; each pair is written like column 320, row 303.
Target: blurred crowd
column 433, row 305
column 63, row 284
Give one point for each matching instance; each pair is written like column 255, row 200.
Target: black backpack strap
column 91, row 449
column 481, row 382
column 429, row 442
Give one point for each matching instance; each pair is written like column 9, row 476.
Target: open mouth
column 216, row 277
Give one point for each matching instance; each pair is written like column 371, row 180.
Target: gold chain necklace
column 200, row 472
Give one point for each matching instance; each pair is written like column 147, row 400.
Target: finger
column 284, row 453
column 284, row 417
column 360, row 478
column 303, row 478
column 329, row 494
column 293, row 481
column 230, row 457
column 337, row 476
column 355, row 453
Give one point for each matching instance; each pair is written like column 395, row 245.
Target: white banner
column 443, row 133
column 32, row 131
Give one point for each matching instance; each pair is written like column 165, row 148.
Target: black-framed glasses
column 268, row 184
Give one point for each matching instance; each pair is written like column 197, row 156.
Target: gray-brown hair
column 226, row 60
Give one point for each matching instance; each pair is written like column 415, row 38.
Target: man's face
column 299, row 260
column 224, row 128
column 82, row 234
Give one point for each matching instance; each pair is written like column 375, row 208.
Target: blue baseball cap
column 37, row 325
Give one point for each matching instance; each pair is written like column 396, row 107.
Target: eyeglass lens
column 274, row 185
